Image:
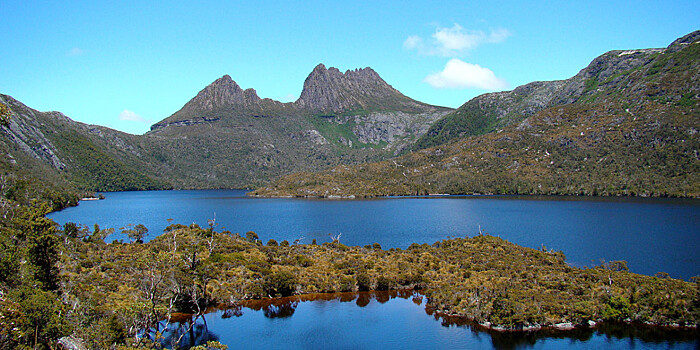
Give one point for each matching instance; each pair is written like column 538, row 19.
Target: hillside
column 494, row 111
column 625, row 125
column 47, row 155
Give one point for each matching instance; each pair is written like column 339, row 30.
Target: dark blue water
column 388, row 320
column 652, row 235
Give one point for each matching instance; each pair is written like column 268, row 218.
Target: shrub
column 363, row 281
column 384, row 283
column 617, row 308
column 280, row 283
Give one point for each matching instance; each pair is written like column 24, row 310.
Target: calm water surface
column 652, row 235
column 387, row 320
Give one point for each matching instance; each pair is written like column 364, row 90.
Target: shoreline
column 448, row 319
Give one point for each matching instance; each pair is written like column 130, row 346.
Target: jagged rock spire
column 329, row 90
column 221, row 93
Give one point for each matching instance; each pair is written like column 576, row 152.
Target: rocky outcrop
column 327, row 90
column 224, row 92
column 603, row 70
column 186, row 122
column 490, row 112
column 24, row 131
column 397, row 129
column 683, row 41
column 71, row 343
column 224, row 98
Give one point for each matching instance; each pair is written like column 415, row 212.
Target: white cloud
column 412, row 42
column 130, row 116
column 498, row 35
column 454, row 41
column 76, row 51
column 462, row 75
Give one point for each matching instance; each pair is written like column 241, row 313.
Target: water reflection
column 387, row 319
column 188, row 333
column 610, row 333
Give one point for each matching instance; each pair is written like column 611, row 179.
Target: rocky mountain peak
column 326, row 90
column 330, row 90
column 223, row 92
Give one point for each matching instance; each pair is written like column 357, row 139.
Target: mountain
column 494, row 111
column 224, row 137
column 223, row 97
column 625, row 125
column 229, row 137
column 330, row 91
column 46, row 155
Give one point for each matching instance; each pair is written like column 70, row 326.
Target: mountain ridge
column 493, row 111
column 627, row 124
column 326, row 91
column 226, row 137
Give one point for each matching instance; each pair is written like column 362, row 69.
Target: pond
column 388, row 320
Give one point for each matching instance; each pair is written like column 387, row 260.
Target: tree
column 70, row 229
column 137, row 233
column 251, row 236
column 363, row 281
column 42, row 244
column 43, row 253
column 43, row 323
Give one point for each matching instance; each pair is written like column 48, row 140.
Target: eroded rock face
column 24, row 131
column 392, row 126
column 224, row 92
column 186, row 122
column 327, row 90
column 222, row 98
column 602, row 71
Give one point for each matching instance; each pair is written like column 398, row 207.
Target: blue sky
column 127, row 65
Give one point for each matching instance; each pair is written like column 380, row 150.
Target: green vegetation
column 468, row 120
column 341, row 134
column 92, row 168
column 108, row 292
column 335, row 132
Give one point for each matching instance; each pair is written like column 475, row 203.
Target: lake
column 651, row 234
column 389, row 320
